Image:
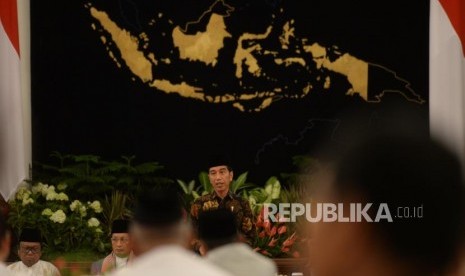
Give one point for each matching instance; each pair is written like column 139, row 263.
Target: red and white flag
column 447, row 73
column 13, row 163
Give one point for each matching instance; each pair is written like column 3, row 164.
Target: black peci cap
column 120, row 226
column 159, row 207
column 217, row 224
column 30, row 235
column 218, row 160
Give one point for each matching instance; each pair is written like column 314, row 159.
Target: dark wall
column 82, row 103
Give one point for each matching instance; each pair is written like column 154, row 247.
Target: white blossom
column 74, row 205
column 59, row 216
column 47, row 212
column 93, row 222
column 27, row 200
column 39, row 188
column 83, row 211
column 96, row 206
column 51, row 195
column 45, row 189
column 23, row 193
column 62, row 196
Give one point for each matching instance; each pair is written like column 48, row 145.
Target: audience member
column 160, row 236
column 420, row 232
column 218, row 231
column 30, row 251
column 121, row 245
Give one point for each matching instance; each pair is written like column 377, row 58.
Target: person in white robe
column 218, row 233
column 30, row 252
column 160, row 237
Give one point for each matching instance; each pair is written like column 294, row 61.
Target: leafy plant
column 90, row 176
column 240, row 183
column 259, row 196
column 205, row 185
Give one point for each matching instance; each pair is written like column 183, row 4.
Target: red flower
column 264, row 252
column 262, row 234
column 273, row 242
column 259, row 222
column 273, row 231
column 285, row 249
column 289, row 241
column 267, row 226
column 282, row 229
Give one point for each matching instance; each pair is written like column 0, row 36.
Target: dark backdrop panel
column 82, row 103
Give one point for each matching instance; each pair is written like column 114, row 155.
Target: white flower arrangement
column 93, row 222
column 59, row 216
column 68, row 221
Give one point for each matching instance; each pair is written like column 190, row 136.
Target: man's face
column 121, row 244
column 220, row 178
column 29, row 253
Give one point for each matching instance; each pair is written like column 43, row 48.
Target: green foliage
column 240, row 184
column 205, row 185
column 90, row 176
column 189, row 193
column 259, row 196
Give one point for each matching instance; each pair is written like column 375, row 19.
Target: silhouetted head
column 158, row 220
column 420, row 183
column 217, row 228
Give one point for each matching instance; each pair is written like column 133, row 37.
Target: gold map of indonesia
column 204, row 46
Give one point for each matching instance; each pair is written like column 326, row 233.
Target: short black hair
column 217, row 227
column 410, row 171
